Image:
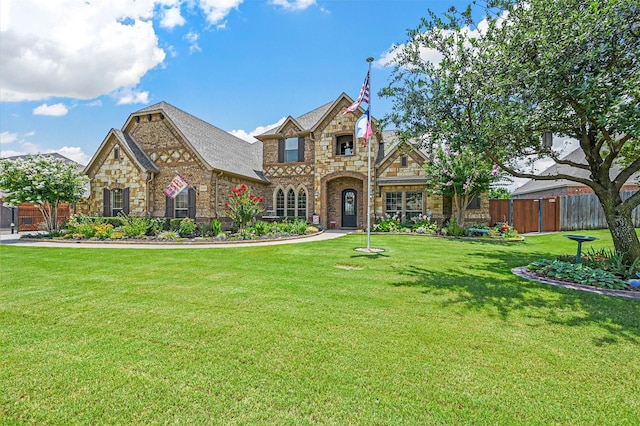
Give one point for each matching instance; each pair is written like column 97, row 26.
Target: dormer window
column 403, row 161
column 116, row 153
column 344, row 145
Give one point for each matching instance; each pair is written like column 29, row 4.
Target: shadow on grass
column 488, row 284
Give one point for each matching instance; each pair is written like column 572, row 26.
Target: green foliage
column 578, row 273
column 453, row 229
column 261, row 228
column 103, row 231
column 243, row 206
column 610, row 260
column 461, row 175
column 174, row 224
column 45, row 181
column 499, row 193
column 168, row 236
column 134, row 226
column 187, row 227
column 568, row 67
column 216, row 227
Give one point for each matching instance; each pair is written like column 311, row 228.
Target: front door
column 349, row 208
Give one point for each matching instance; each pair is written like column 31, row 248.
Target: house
column 27, row 216
column 539, row 189
column 311, row 166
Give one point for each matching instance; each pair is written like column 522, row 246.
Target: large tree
column 45, row 181
column 565, row 67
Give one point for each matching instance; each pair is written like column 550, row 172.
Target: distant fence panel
column 585, row 212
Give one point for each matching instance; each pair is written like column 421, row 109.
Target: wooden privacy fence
column 565, row 213
column 31, row 219
column 585, row 212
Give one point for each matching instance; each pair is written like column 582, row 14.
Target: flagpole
column 369, row 60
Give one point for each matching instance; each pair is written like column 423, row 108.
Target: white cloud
column 55, row 110
column 172, row 18
column 74, row 153
column 249, row 136
column 70, row 48
column 7, row 137
column 217, row 10
column 128, row 96
column 293, row 4
column 192, row 39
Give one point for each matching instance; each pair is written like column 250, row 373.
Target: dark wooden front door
column 349, row 208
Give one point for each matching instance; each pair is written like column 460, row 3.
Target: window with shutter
column 116, row 202
column 106, row 202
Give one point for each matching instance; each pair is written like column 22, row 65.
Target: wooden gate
column 527, row 215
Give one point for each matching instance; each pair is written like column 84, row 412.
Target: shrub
column 134, row 226
column 610, row 260
column 103, row 231
column 242, row 206
column 453, row 229
column 187, row 227
column 261, row 228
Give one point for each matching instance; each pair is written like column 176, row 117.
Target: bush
column 134, row 226
column 453, row 229
column 261, row 228
column 187, row 227
column 610, row 260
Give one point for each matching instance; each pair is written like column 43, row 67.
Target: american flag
column 363, row 97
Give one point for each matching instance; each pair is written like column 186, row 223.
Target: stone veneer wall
column 117, row 173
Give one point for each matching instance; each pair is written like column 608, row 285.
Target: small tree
column 243, row 206
column 459, row 175
column 45, row 181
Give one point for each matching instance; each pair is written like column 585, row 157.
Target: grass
column 432, row 331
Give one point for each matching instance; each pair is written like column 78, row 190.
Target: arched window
column 280, row 203
column 291, row 203
column 302, row 203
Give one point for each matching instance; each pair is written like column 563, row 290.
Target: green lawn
column 432, row 331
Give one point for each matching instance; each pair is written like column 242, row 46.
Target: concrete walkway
column 14, row 239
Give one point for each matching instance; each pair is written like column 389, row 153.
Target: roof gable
column 219, row 149
column 131, row 148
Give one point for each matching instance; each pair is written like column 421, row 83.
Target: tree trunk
column 459, row 204
column 623, row 233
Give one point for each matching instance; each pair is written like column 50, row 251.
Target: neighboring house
column 27, row 216
column 310, row 166
column 537, row 189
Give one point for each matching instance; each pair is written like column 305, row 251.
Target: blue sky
column 70, row 70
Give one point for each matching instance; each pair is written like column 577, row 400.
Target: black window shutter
column 125, row 201
column 106, row 202
column 168, row 209
column 300, row 149
column 192, row 203
column 280, row 150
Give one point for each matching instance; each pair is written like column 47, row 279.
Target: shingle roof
column 577, row 156
column 306, row 121
column 220, row 149
column 140, row 155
